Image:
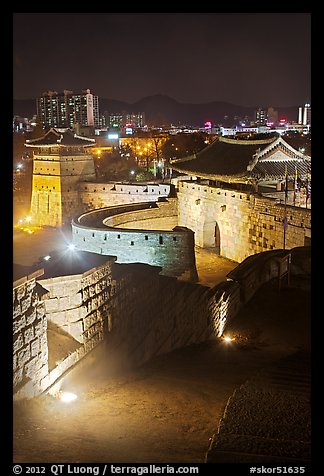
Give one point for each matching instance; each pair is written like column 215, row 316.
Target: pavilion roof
column 57, row 136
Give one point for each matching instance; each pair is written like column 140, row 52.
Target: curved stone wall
column 97, row 231
column 105, row 194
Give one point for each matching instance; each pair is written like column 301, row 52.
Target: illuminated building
column 304, row 115
column 134, row 120
column 260, row 117
column 68, row 109
column 60, row 162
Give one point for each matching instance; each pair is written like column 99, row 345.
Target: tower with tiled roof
column 60, row 161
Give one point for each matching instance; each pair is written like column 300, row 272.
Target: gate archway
column 212, row 236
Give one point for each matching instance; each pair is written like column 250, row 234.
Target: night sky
column 247, row 59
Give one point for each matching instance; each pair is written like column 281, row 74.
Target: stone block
column 31, row 367
column 19, row 323
column 30, row 316
column 52, row 305
column 40, row 310
column 30, row 285
column 76, row 330
column 17, row 310
column 18, row 343
column 23, row 356
column 34, row 347
column 63, row 303
column 76, row 300
column 28, row 335
column 17, row 376
column 38, row 329
column 25, row 303
column 41, row 373
column 20, row 292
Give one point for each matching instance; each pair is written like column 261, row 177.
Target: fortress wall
column 172, row 250
column 247, row 223
column 30, row 351
column 100, row 195
column 162, row 217
column 152, row 314
column 76, row 303
column 137, row 311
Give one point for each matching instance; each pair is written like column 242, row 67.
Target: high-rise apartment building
column 68, row 109
column 135, row 120
column 304, row 115
column 261, row 117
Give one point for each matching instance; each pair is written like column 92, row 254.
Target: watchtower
column 60, row 161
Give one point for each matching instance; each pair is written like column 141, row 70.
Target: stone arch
column 212, row 236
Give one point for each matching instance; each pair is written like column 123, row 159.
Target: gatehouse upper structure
column 247, row 161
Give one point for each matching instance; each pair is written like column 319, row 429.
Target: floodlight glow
column 67, row 397
column 228, row 339
column 132, row 172
column 71, row 247
column 28, row 219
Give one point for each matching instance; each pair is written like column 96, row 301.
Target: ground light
column 67, row 397
column 71, row 247
column 227, row 339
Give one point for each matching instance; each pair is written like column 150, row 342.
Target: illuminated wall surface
column 30, row 350
column 244, row 223
column 133, row 307
column 173, row 250
column 99, row 195
column 55, row 196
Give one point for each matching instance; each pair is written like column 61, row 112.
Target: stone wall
column 172, row 250
column 77, row 303
column 151, row 314
column 246, row 223
column 30, row 351
column 162, row 217
column 100, row 195
column 138, row 312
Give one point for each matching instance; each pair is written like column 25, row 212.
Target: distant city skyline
column 248, row 59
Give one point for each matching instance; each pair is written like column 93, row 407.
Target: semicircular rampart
column 103, row 231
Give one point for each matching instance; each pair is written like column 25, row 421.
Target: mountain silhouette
column 160, row 110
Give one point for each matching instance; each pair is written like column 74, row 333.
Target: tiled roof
column 237, row 161
column 63, row 137
column 277, row 169
column 223, row 158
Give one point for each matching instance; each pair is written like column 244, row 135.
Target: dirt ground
column 167, row 410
